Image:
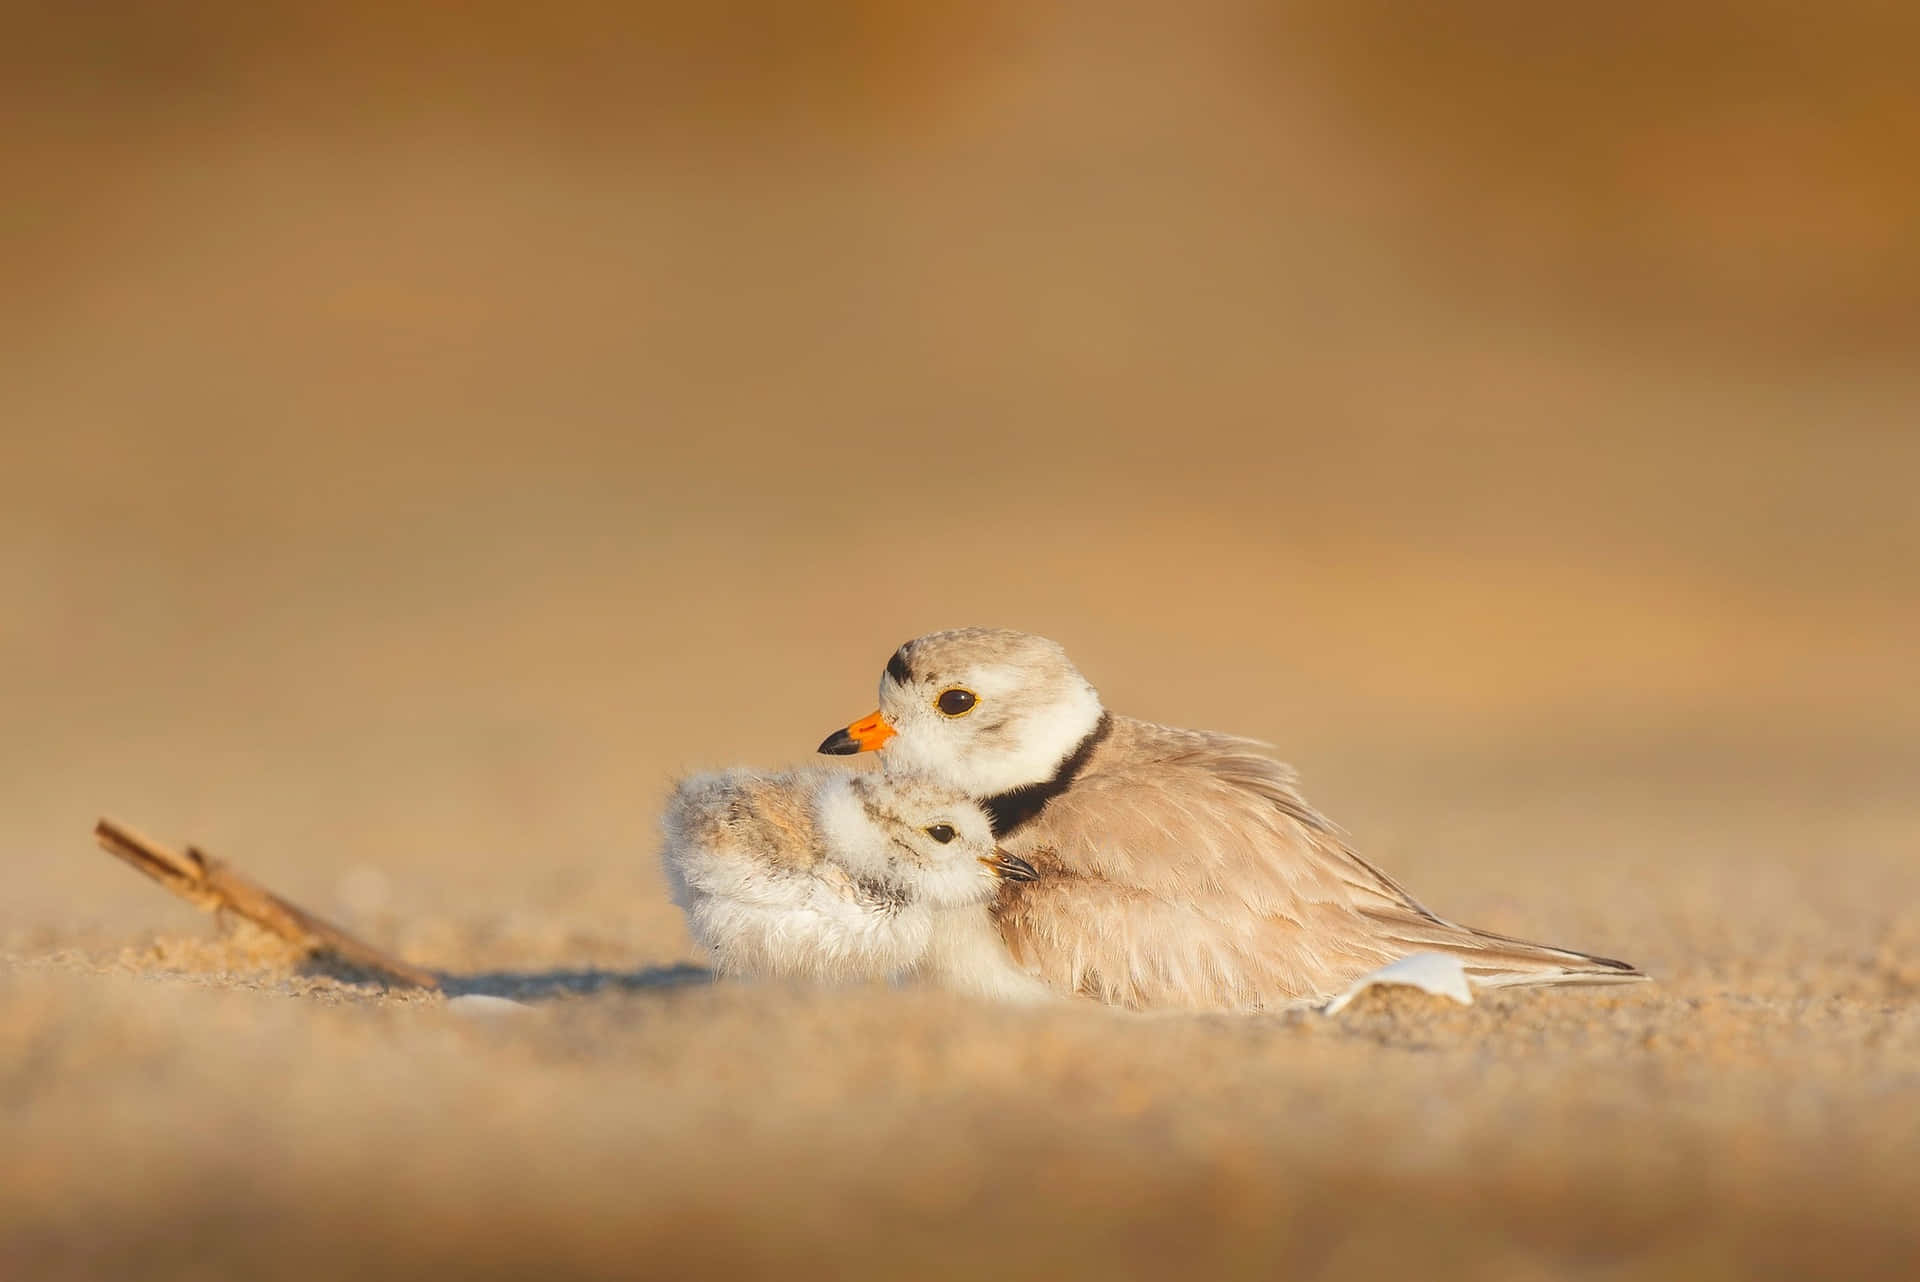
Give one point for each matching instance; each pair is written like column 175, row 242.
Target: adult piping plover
column 1176, row 868
column 830, row 876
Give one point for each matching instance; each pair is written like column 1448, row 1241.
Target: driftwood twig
column 210, row 885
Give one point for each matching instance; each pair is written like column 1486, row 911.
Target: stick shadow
column 544, row 985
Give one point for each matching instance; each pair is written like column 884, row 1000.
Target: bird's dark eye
column 942, row 833
column 956, row 702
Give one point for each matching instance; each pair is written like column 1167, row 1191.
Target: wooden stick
column 210, row 885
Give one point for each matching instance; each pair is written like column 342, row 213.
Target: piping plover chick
column 1176, row 868
column 827, row 875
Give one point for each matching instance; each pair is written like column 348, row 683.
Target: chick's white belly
column 762, row 920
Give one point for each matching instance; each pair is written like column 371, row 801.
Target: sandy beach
column 422, row 444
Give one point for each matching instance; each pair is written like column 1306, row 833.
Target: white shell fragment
column 1435, row 973
column 480, row 1004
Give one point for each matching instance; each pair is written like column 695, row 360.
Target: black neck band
column 1012, row 809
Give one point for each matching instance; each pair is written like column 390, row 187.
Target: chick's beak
column 864, row 735
column 1010, row 867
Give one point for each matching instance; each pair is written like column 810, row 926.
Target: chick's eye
column 942, row 833
column 955, row 702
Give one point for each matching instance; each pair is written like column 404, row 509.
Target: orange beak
column 864, row 735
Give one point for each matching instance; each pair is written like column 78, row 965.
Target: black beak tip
column 1014, row 868
column 839, row 744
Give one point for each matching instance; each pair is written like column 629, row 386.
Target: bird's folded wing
column 1189, row 871
column 1176, row 813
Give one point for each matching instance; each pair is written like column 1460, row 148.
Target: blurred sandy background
column 423, row 433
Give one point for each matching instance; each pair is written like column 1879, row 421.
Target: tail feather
column 1500, row 961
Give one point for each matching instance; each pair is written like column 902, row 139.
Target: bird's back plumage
column 1184, row 869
